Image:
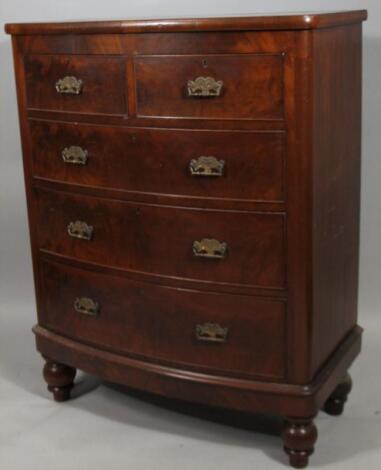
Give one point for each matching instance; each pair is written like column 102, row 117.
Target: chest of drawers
column 193, row 196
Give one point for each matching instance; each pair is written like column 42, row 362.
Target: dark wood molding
column 287, row 399
column 249, row 23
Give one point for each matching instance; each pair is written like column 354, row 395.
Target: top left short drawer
column 78, row 84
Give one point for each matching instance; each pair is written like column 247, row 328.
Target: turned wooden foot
column 335, row 404
column 299, row 437
column 59, row 379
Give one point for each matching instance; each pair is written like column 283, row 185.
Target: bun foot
column 299, row 437
column 298, row 459
column 60, row 379
column 334, row 406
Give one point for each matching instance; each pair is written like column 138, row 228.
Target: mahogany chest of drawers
column 193, row 195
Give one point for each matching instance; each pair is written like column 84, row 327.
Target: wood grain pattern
column 158, row 240
column 336, row 187
column 195, row 284
column 158, row 323
column 156, row 161
column 252, row 86
column 231, row 392
column 298, row 67
column 103, row 83
column 162, row 43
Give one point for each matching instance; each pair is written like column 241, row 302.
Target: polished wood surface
column 299, row 437
column 128, row 303
column 103, row 83
column 60, row 379
column 159, row 323
column 236, row 393
column 252, row 86
column 156, row 161
column 286, row 21
column 159, row 240
column 336, row 187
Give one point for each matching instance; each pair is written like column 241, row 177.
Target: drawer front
column 248, row 248
column 216, row 332
column 238, row 165
column 84, row 84
column 227, row 86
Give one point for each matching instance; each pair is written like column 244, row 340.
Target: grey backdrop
column 35, row 433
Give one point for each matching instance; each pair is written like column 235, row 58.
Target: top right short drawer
column 224, row 86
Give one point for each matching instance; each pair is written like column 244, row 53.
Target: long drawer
column 243, row 248
column 207, row 164
column 213, row 332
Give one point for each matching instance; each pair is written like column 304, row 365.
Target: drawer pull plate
column 69, row 85
column 206, row 166
column 209, row 248
column 79, row 229
column 211, row 332
column 86, row 306
column 75, row 155
column 205, row 87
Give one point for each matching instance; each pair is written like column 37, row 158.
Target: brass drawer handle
column 86, row 306
column 75, row 155
column 79, row 229
column 211, row 332
column 205, row 87
column 206, row 166
column 210, row 248
column 69, row 85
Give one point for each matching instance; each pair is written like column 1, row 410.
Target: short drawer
column 206, row 164
column 71, row 83
column 226, row 86
column 240, row 335
column 203, row 245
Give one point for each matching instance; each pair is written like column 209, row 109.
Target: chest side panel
column 336, row 187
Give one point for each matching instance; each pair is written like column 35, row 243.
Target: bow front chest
column 193, row 196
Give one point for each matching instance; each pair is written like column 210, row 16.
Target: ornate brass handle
column 86, row 306
column 205, row 87
column 210, row 248
column 211, row 332
column 75, row 155
column 206, row 166
column 79, row 229
column 70, row 85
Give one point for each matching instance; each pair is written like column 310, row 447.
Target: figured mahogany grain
column 252, row 86
column 158, row 240
column 159, row 323
column 103, row 79
column 156, row 161
column 183, row 43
